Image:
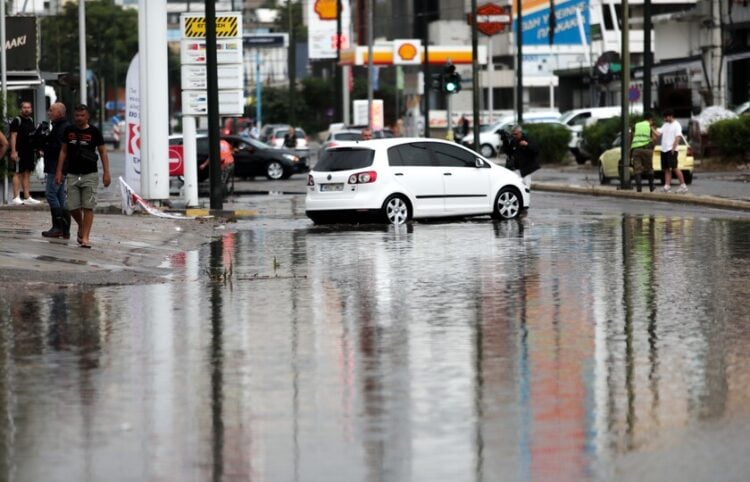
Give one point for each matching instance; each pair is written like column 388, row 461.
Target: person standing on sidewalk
column 55, row 193
column 671, row 132
column 78, row 156
column 22, row 154
column 522, row 154
column 642, row 149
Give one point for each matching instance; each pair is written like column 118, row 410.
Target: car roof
column 386, row 142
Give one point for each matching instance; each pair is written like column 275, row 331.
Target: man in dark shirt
column 78, row 157
column 55, row 193
column 22, row 154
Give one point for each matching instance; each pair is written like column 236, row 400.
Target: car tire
column 603, row 180
column 487, row 150
column 396, row 210
column 508, row 204
column 275, row 170
column 318, row 218
column 688, row 175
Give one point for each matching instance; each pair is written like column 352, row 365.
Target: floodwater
column 572, row 345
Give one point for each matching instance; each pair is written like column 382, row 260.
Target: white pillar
column 4, row 82
column 152, row 46
column 190, row 161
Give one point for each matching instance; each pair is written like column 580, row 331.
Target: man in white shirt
column 671, row 132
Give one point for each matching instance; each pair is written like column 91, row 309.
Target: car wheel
column 274, row 170
column 317, row 218
column 603, row 180
column 486, row 150
column 396, row 210
column 508, row 204
column 688, row 177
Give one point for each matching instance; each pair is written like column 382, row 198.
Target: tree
column 111, row 40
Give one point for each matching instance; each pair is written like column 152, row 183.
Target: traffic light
column 451, row 80
column 436, row 82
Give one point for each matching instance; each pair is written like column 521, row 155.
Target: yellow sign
column 326, row 9
column 226, row 27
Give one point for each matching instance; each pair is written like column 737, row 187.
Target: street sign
column 265, row 40
column 491, row 19
column 634, row 94
column 195, row 102
column 227, row 51
column 229, row 77
column 228, row 25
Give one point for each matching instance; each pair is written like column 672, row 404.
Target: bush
column 552, row 141
column 732, row 138
column 598, row 137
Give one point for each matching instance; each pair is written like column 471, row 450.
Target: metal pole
column 4, row 82
column 490, row 76
column 426, row 74
column 292, row 66
column 258, row 92
column 190, row 161
column 475, row 74
column 648, row 58
column 624, row 87
column 369, row 63
column 82, row 50
column 519, row 61
column 217, row 194
column 337, row 110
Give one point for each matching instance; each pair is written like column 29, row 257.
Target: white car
column 400, row 179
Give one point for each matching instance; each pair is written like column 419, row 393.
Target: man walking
column 642, row 149
column 522, row 154
column 80, row 144
column 55, row 193
column 22, row 155
column 671, row 132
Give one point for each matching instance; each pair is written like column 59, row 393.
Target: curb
column 709, row 201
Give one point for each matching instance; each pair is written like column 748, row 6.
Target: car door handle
column 398, row 174
column 447, row 174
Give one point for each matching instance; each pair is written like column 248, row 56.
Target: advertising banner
column 536, row 24
column 21, row 44
column 321, row 29
column 133, row 125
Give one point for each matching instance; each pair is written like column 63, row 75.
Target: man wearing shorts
column 22, row 156
column 81, row 142
column 671, row 132
column 642, row 149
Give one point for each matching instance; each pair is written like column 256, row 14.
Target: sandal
column 79, row 239
column 87, row 246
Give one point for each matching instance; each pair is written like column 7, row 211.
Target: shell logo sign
column 407, row 52
column 326, row 9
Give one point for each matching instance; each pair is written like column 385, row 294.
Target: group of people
column 71, row 154
column 523, row 153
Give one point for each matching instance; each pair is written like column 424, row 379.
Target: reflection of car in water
column 401, row 179
column 609, row 162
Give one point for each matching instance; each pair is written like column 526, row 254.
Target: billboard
column 321, row 29
column 536, row 15
column 21, row 44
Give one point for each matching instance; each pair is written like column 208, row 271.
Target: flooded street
column 594, row 339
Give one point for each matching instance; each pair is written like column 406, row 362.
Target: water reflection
column 548, row 349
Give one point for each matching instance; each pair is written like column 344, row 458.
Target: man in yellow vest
column 642, row 149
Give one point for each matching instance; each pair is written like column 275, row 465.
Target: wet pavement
column 595, row 339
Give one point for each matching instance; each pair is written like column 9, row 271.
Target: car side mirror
column 478, row 162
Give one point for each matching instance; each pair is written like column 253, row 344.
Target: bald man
column 55, row 193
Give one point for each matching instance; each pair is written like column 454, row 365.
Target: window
column 580, row 119
column 451, row 156
column 414, row 154
column 345, row 159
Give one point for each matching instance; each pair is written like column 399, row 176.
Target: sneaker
column 31, row 200
column 682, row 189
column 665, row 189
column 17, row 201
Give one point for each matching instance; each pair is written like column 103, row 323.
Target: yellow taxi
column 609, row 162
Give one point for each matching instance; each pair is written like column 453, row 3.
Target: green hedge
column 598, row 137
column 552, row 141
column 732, row 138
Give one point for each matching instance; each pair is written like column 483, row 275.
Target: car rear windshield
column 345, row 159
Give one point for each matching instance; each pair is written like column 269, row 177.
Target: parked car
column 609, row 162
column 254, row 158
column 490, row 141
column 577, row 119
column 396, row 180
column 337, row 136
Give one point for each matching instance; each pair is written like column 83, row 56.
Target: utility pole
column 292, row 66
column 519, row 61
column 426, row 74
column 214, row 173
column 338, row 110
column 648, row 57
column 624, row 88
column 81, row 50
column 369, row 63
column 475, row 75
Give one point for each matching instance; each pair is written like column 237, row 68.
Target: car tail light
column 310, row 180
column 363, row 177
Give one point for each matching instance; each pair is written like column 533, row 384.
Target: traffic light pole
column 426, row 75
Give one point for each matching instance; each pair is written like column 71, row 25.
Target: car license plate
column 331, row 187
